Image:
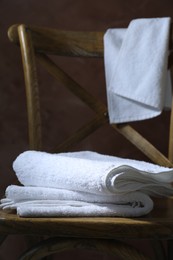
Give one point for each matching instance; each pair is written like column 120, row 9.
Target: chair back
column 38, row 43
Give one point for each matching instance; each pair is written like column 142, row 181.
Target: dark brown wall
column 70, row 15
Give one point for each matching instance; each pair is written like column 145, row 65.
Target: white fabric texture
column 85, row 184
column 50, row 202
column 136, row 59
column 100, row 175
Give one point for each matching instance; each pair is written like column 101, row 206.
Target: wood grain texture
column 68, row 43
column 156, row 225
column 32, row 91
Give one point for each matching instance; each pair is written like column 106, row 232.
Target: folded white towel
column 84, row 184
column 50, row 202
column 25, row 193
column 100, row 175
column 136, row 61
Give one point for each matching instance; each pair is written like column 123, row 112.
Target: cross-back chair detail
column 35, row 43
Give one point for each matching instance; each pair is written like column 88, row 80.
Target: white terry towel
column 92, row 173
column 50, row 202
column 85, row 184
column 137, row 80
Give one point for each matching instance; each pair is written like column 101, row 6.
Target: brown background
column 59, row 119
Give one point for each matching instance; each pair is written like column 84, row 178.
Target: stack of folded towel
column 84, row 184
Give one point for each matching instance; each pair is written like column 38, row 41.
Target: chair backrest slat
column 66, row 43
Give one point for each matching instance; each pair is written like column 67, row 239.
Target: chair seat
column 157, row 224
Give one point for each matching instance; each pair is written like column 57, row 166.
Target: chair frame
column 103, row 234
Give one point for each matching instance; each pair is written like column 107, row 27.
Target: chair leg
column 55, row 245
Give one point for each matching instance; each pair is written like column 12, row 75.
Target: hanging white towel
column 137, row 81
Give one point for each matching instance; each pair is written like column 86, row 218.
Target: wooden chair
column 104, row 233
